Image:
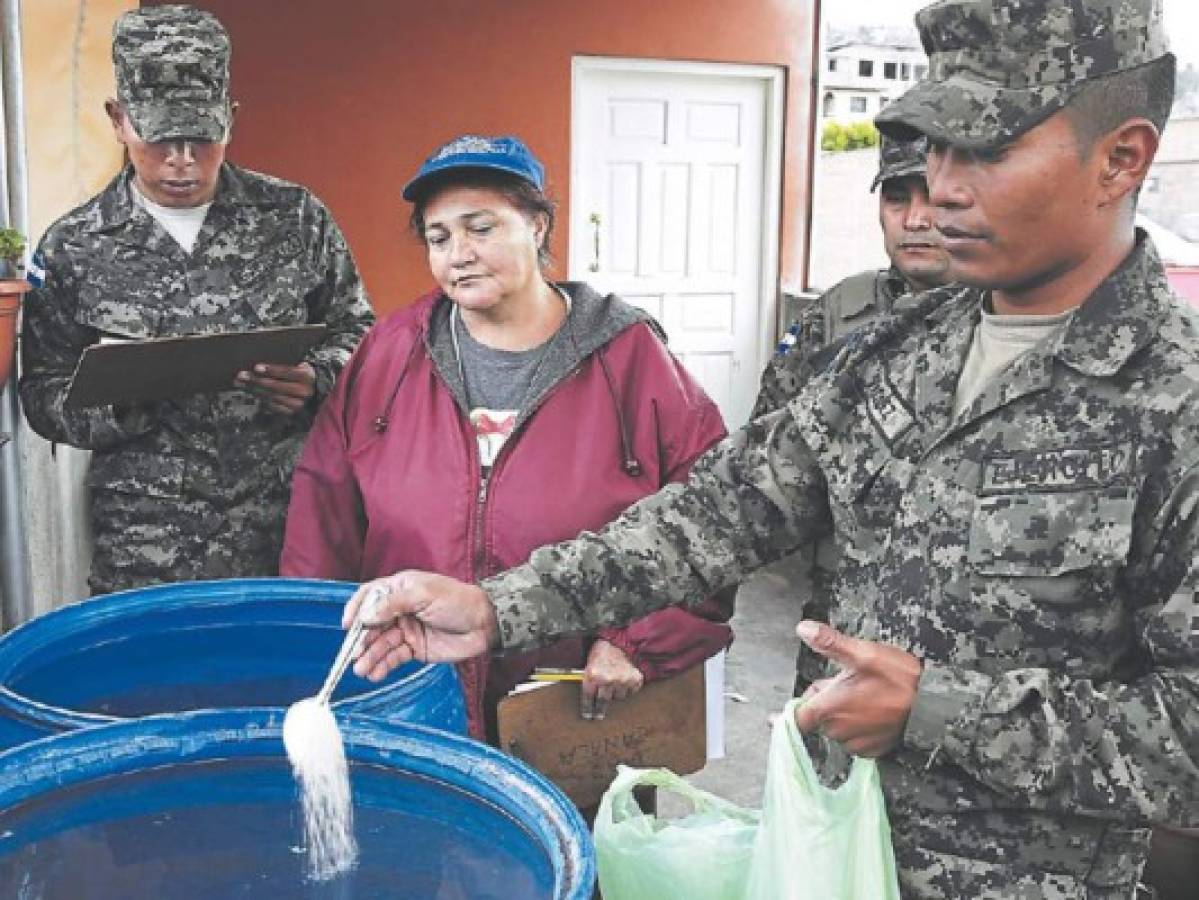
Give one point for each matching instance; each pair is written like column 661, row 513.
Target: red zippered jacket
column 389, row 478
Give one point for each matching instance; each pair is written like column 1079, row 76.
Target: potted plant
column 12, row 286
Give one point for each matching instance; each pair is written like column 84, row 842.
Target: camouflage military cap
column 1000, row 67
column 172, row 68
column 899, row 158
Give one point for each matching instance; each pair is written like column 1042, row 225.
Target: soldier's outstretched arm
column 751, row 499
column 52, row 341
column 1050, row 739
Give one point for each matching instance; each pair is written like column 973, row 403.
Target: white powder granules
column 318, row 760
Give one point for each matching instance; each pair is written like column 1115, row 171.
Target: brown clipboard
column 162, row 368
column 663, row 724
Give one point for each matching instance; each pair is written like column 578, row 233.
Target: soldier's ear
column 116, row 116
column 1126, row 154
column 234, row 106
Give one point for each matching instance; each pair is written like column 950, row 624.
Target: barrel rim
column 128, row 746
column 85, row 615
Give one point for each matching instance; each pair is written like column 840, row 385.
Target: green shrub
column 862, row 135
column 837, row 138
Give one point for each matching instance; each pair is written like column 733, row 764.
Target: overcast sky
column 1182, row 19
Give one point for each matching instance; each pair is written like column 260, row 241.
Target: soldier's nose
column 181, row 152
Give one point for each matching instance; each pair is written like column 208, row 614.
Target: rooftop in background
column 896, row 37
column 1182, row 21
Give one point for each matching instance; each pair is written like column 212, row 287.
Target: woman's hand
column 610, row 675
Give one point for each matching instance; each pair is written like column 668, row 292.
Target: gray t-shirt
column 497, row 379
column 498, row 384
column 998, row 342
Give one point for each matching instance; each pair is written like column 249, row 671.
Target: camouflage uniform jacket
column 847, row 305
column 843, row 308
column 1038, row 553
column 269, row 254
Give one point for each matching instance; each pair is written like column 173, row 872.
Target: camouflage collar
column 870, row 290
column 1123, row 315
column 117, row 208
column 895, row 285
column 1120, row 317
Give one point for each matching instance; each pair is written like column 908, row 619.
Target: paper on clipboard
column 663, row 724
column 162, row 368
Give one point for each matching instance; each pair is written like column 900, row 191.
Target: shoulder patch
column 35, row 272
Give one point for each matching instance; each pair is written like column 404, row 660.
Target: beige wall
column 68, row 76
column 71, row 154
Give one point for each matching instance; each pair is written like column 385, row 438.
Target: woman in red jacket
column 497, row 414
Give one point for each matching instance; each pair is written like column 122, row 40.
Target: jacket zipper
column 479, row 551
column 479, row 567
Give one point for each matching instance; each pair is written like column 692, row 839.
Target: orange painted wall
column 348, row 97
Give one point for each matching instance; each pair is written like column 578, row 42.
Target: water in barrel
column 234, row 830
column 204, row 806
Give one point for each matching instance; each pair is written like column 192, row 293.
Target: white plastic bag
column 817, row 843
column 703, row 856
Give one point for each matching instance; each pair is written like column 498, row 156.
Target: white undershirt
column 998, row 341
column 182, row 223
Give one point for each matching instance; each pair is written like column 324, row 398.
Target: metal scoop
column 348, row 647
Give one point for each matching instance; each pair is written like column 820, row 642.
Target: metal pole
column 15, row 582
column 816, row 72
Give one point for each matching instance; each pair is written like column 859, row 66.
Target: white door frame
column 772, row 172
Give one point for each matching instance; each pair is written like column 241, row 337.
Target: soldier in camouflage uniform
column 1016, row 632
column 182, row 242
column 918, row 263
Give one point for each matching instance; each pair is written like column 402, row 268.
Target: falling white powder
column 318, row 760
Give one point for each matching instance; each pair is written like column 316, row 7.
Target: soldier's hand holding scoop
column 423, row 616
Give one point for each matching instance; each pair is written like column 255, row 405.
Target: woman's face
column 482, row 249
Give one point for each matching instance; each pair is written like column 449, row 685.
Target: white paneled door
column 674, row 205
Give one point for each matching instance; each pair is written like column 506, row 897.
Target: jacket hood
column 594, row 321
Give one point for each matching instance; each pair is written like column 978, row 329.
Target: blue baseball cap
column 472, row 151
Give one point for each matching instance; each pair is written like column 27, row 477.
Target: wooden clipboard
column 661, row 725
column 161, row 368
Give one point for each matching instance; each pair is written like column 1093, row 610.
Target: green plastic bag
column 816, row 843
column 703, row 856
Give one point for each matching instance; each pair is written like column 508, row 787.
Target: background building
column 865, row 68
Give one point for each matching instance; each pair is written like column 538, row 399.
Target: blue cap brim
column 435, row 172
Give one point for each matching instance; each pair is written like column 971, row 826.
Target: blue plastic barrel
column 195, row 806
column 199, row 645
